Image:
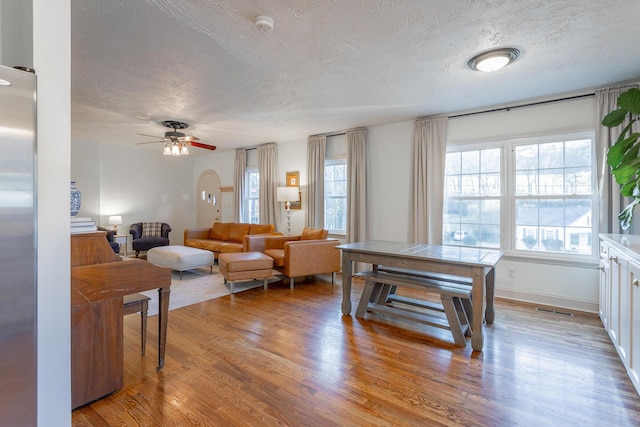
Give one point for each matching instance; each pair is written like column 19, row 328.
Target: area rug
column 196, row 286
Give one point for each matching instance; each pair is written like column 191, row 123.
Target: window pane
column 551, row 155
column 335, row 197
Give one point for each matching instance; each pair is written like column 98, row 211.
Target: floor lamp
column 288, row 195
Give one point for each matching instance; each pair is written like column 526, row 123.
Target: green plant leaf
column 630, row 188
column 630, row 101
column 625, row 172
column 614, row 118
column 616, row 153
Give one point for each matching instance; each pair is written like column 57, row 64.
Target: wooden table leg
column 163, row 316
column 477, row 298
column 490, row 313
column 346, row 283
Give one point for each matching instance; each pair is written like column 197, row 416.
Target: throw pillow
column 219, row 231
column 151, row 229
column 309, row 233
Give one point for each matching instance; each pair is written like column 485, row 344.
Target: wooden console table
column 478, row 264
column 99, row 281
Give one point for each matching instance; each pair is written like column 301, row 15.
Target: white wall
column 559, row 285
column 51, row 57
column 140, row 185
column 389, row 191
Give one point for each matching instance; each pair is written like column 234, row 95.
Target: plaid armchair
column 147, row 235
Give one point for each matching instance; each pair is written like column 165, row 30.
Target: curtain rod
column 531, row 104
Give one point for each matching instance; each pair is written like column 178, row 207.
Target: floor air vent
column 547, row 310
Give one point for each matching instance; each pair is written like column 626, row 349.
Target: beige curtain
column 427, row 186
column 316, row 147
column 610, row 202
column 356, row 185
column 240, row 168
column 268, row 170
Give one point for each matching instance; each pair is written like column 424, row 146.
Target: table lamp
column 115, row 220
column 288, row 195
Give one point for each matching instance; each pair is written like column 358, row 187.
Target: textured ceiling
column 328, row 65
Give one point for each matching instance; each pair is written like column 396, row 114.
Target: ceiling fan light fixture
column 493, row 60
column 184, row 151
column 167, row 149
column 175, row 150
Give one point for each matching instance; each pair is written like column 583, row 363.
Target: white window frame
column 333, row 162
column 508, row 197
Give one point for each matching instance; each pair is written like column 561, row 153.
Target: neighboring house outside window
column 538, row 198
column 252, row 201
column 335, row 196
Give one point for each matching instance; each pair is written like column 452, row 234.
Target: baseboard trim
column 549, row 300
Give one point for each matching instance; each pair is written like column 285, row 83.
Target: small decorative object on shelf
column 76, row 199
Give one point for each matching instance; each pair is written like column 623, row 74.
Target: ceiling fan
column 175, row 143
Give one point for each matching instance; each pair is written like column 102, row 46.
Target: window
column 335, row 196
column 538, row 199
column 252, row 201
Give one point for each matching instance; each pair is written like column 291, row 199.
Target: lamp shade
column 115, row 220
column 287, row 194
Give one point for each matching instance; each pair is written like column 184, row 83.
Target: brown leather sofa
column 304, row 255
column 225, row 237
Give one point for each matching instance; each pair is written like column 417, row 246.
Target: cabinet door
column 633, row 365
column 620, row 302
column 604, row 303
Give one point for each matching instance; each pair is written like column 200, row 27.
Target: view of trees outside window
column 554, row 196
column 335, row 197
column 539, row 199
column 473, row 195
column 253, row 197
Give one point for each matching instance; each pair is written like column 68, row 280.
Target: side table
column 122, row 240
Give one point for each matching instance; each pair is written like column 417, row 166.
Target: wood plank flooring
column 289, row 357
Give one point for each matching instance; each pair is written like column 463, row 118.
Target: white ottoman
column 180, row 258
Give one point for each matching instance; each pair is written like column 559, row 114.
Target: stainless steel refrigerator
column 17, row 248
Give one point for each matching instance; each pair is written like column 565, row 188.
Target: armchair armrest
column 308, row 257
column 277, row 242
column 257, row 242
column 136, row 231
column 196, row 233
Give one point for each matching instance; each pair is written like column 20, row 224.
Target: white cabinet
column 633, row 366
column 620, row 298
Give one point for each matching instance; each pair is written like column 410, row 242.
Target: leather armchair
column 139, row 243
column 296, row 257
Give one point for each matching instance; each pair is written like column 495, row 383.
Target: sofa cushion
column 237, row 231
column 151, row 229
column 309, row 233
column 219, row 231
column 261, row 228
column 277, row 255
column 210, row 245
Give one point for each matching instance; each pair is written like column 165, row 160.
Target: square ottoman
column 245, row 266
column 180, row 258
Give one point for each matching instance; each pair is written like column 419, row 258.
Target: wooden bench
column 379, row 296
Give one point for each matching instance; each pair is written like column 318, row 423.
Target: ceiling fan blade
column 150, row 136
column 201, row 145
column 148, row 142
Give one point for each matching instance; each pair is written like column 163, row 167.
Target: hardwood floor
column 282, row 357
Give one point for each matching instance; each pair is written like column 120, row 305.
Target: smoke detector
column 264, row 23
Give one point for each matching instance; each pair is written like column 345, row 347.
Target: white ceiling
column 327, row 65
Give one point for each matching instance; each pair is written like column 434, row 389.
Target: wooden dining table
column 478, row 264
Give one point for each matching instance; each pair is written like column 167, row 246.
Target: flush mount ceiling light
column 493, row 60
column 264, row 23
